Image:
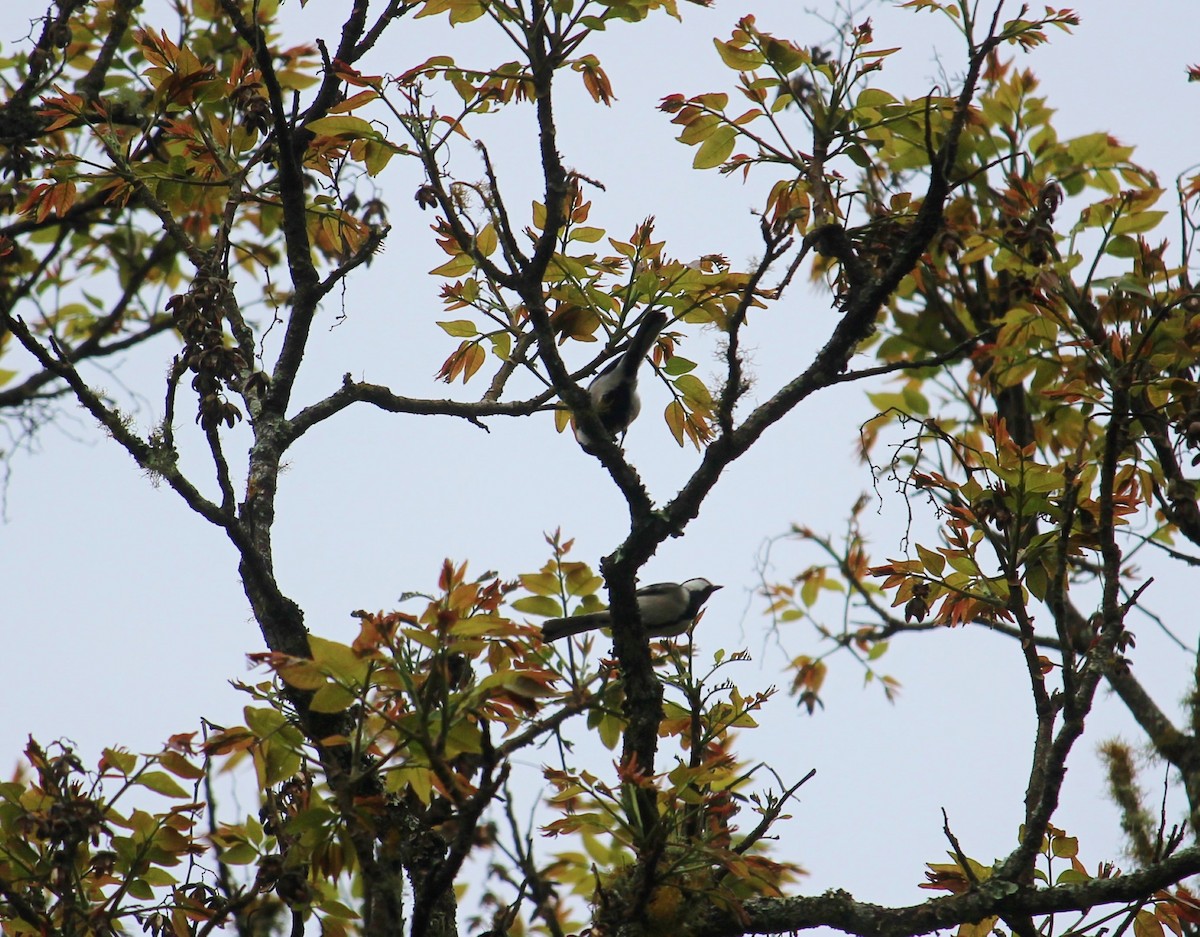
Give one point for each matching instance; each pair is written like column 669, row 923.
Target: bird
column 667, row 609
column 614, row 390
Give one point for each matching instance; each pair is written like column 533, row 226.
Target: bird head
column 700, row 587
column 698, row 591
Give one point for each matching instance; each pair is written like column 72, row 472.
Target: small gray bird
column 667, row 609
column 614, row 390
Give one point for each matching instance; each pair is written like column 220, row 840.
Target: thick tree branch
column 294, row 203
column 839, row 909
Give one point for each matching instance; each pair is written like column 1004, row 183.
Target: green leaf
column 125, row 762
column 1122, row 246
column 716, row 149
column 884, row 401
column 538, row 605
column 582, row 581
column 1138, row 222
column 162, row 784
column 1037, row 581
column 609, row 730
column 332, row 698
column 739, row 59
column 263, row 722
column 418, row 780
column 540, row 583
column 282, row 762
column 180, row 766
column 344, row 125
column 875, row 97
column 915, row 401
column 694, row 390
column 459, row 328
column 159, row 877
column 933, row 561
column 501, row 345
column 713, row 100
column 699, row 129
column 586, row 234
column 301, row 674
column 457, row 266
column 338, row 660
column 239, row 854
column 335, row 908
column 486, row 240
column 677, row 365
column 1145, row 924
column 977, row 248
column 139, row 889
column 676, row 418
column 376, row 154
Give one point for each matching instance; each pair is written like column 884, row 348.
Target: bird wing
column 555, row 628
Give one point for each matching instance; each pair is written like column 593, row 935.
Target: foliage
column 199, row 189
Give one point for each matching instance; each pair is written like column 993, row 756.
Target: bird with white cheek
column 667, row 609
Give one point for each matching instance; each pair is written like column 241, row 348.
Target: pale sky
column 124, row 618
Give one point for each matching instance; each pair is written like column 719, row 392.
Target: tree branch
column 839, row 910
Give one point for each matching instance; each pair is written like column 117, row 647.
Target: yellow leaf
column 586, row 234
column 344, row 125
column 693, row 390
column 1138, row 222
column 459, row 328
column 457, row 266
column 332, row 698
column 180, row 766
column 416, row 779
column 981, row 929
column 375, row 154
column 354, row 101
column 501, row 345
column 1147, row 925
column 739, row 59
column 699, row 129
column 161, row 783
column 934, row 562
column 486, row 240
column 676, row 416
column 124, row 762
column 338, row 660
column 475, row 357
column 609, row 730
column 538, row 605
column 301, row 674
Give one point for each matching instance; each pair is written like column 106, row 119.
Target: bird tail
column 555, row 628
column 643, row 339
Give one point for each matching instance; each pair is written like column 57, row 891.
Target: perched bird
column 667, row 609
column 614, row 390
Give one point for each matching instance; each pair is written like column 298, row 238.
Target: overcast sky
column 124, row 618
